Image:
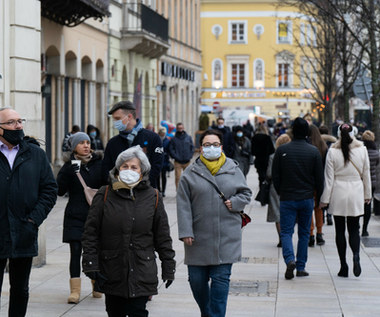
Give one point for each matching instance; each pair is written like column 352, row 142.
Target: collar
column 3, row 145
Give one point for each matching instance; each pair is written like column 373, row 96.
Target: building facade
column 251, row 58
column 155, row 59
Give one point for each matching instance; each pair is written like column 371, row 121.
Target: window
column 258, row 73
column 284, row 32
column 302, row 34
column 283, row 75
column 314, row 29
column 237, row 32
column 238, row 75
column 308, row 39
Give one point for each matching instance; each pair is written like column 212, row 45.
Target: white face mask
column 129, row 177
column 212, row 153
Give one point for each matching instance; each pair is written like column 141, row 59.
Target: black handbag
column 263, row 194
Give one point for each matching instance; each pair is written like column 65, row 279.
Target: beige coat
column 345, row 190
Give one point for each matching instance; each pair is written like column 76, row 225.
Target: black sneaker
column 320, row 240
column 365, row 233
column 290, row 267
column 302, row 273
column 329, row 219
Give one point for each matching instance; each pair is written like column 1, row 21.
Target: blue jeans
column 290, row 212
column 211, row 298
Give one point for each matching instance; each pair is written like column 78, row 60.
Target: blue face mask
column 212, row 153
column 119, row 125
column 93, row 134
column 239, row 134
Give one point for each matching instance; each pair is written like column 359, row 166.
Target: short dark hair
column 179, row 123
column 323, row 129
column 211, row 132
column 75, row 128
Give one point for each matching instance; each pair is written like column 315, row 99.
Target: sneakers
column 290, row 267
column 302, row 273
column 320, row 240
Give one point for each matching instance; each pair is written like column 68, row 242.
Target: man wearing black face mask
column 181, row 149
column 28, row 192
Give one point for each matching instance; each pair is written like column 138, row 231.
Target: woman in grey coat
column 209, row 227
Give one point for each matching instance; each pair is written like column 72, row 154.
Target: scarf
column 130, row 135
column 83, row 158
column 214, row 166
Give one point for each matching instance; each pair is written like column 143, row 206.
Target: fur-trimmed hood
column 328, row 138
column 354, row 144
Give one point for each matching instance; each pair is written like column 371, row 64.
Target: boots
column 75, row 284
column 320, row 240
column 95, row 294
column 311, row 241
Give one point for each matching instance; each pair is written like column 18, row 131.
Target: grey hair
column 134, row 152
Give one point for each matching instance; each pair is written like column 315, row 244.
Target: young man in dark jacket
column 28, row 192
column 132, row 133
column 297, row 173
column 181, row 149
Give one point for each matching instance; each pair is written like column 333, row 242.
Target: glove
column 168, row 283
column 75, row 168
column 99, row 279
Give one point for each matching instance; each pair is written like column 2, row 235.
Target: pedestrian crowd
column 115, row 220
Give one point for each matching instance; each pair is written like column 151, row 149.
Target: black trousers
column 340, row 235
column 19, row 273
column 75, row 255
column 161, row 182
column 117, row 306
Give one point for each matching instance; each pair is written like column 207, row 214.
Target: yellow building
column 251, row 58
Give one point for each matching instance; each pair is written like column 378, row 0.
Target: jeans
column 117, row 306
column 211, row 298
column 19, row 272
column 290, row 212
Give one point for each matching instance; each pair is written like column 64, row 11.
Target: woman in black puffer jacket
column 77, row 207
column 368, row 139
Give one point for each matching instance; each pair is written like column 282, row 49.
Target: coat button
column 148, row 258
column 131, row 270
column 90, row 262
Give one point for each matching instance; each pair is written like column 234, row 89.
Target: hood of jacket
column 328, row 138
column 354, row 144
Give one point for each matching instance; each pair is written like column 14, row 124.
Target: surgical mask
column 119, row 125
column 129, row 177
column 93, row 134
column 212, row 153
column 14, row 137
column 221, row 126
column 239, row 134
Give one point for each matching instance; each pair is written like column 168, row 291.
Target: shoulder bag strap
column 105, row 194
column 361, row 177
column 221, row 195
column 156, row 198
column 81, row 180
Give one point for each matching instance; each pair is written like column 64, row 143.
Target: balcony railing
column 144, row 30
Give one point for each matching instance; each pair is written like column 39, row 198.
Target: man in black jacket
column 131, row 133
column 297, row 174
column 28, row 192
column 228, row 139
column 181, row 149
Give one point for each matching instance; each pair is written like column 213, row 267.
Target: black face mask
column 14, row 137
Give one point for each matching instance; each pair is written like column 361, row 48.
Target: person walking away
column 262, row 147
column 96, row 141
column 242, row 151
column 28, row 192
column 161, row 183
column 76, row 211
column 368, row 139
column 228, row 139
column 317, row 141
column 273, row 212
column 297, row 173
column 131, row 133
column 347, row 186
column 209, row 226
column 127, row 223
column 181, row 149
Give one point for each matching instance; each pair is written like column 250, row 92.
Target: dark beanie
column 300, row 128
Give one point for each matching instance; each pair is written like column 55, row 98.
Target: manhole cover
column 249, row 288
column 371, row 242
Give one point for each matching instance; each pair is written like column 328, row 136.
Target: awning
column 73, row 12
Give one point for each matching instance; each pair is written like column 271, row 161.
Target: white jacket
column 345, row 190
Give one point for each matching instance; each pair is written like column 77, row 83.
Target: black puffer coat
column 77, row 207
column 121, row 237
column 373, row 155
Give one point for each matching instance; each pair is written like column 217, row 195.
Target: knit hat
column 76, row 138
column 300, row 128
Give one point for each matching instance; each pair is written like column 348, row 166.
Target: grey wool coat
column 203, row 215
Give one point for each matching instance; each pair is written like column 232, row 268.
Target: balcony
column 73, row 12
column 144, row 31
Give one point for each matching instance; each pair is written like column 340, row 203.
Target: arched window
column 258, row 73
column 217, row 73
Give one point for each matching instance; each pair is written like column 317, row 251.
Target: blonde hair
column 282, row 139
column 368, row 136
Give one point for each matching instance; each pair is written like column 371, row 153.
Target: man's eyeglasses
column 216, row 144
column 14, row 122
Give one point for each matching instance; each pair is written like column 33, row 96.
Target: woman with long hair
column 317, row 141
column 347, row 186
